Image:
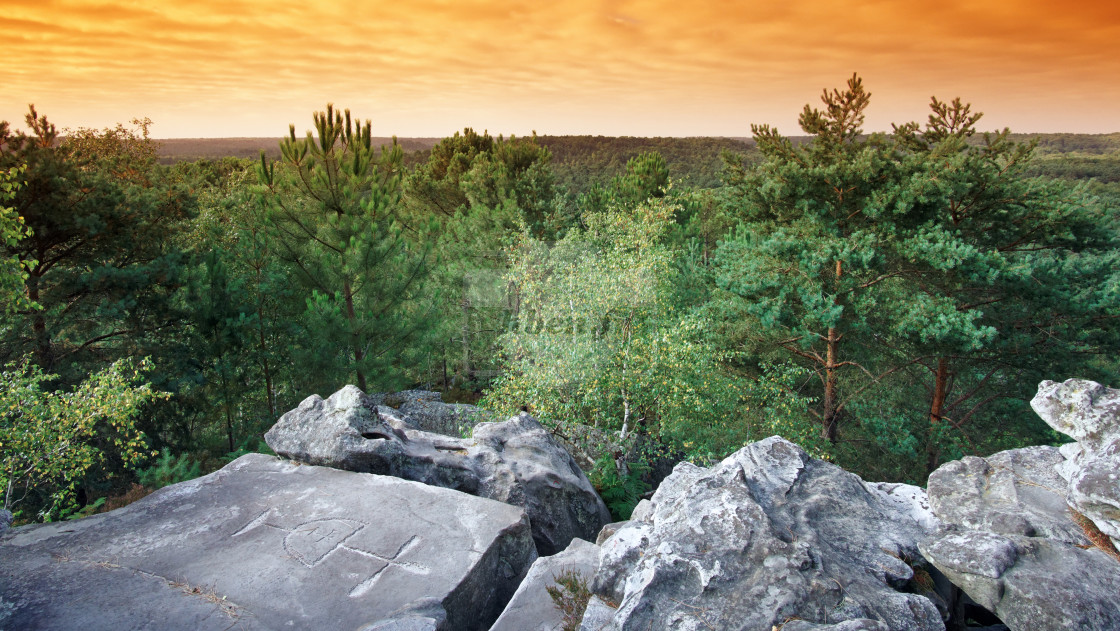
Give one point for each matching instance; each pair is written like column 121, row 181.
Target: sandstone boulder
column 515, row 461
column 426, row 411
column 1089, row 413
column 1008, row 541
column 767, row 537
column 532, row 608
column 266, row 544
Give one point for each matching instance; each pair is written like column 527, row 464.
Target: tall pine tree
column 332, row 203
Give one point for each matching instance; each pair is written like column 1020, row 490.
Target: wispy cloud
column 427, row 67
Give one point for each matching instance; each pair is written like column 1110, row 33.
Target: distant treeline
column 579, row 162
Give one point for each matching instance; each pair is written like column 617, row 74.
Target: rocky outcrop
column 425, row 410
column 1090, row 414
column 769, row 537
column 266, row 544
column 515, row 461
column 1021, row 531
column 532, row 608
column 5, row 520
column 1008, row 541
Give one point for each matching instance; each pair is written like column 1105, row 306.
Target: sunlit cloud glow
column 612, row 67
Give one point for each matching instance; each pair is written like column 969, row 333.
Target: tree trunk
column 830, row 418
column 936, row 408
column 355, row 337
column 831, row 399
column 44, row 353
column 466, row 341
column 264, row 365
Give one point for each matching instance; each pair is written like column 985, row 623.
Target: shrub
column 570, row 595
column 169, row 470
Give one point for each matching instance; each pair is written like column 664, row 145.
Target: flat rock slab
column 266, row 544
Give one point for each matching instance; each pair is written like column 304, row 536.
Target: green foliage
column 610, row 334
column 570, row 595
column 73, row 512
column 13, row 271
column 98, row 256
column 331, row 207
column 51, row 440
column 921, row 276
column 251, row 445
column 621, row 491
column 582, row 163
column 598, row 339
column 168, row 469
column 646, row 176
column 473, row 199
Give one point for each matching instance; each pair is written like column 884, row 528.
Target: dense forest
column 890, row 301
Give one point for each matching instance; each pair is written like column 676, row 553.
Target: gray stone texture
column 766, row 537
column 1090, row 414
column 1008, row 541
column 515, row 461
column 598, row 615
column 532, row 608
column 425, row 410
column 266, row 544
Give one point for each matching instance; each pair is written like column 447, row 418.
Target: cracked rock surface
column 769, row 536
column 1008, row 541
column 1090, row 414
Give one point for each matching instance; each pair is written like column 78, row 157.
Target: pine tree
column 889, row 263
column 100, row 258
column 332, row 205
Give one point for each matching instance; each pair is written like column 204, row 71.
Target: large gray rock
column 1082, row 409
column 532, row 608
column 266, row 544
column 1090, row 413
column 1008, row 541
column 766, row 537
column 426, row 411
column 515, row 461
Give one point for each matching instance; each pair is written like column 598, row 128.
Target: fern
column 169, row 470
column 621, row 493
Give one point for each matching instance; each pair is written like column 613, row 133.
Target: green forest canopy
column 890, row 301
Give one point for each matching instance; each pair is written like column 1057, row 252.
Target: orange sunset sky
column 214, row 68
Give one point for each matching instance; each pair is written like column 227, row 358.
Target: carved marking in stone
column 312, row 541
column 365, row 586
column 259, row 520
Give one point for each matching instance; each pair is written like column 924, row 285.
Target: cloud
column 599, row 58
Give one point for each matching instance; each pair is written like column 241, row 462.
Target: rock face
column 1008, row 541
column 767, row 537
column 531, row 608
column 515, row 461
column 426, row 411
column 1090, row 414
column 264, row 544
